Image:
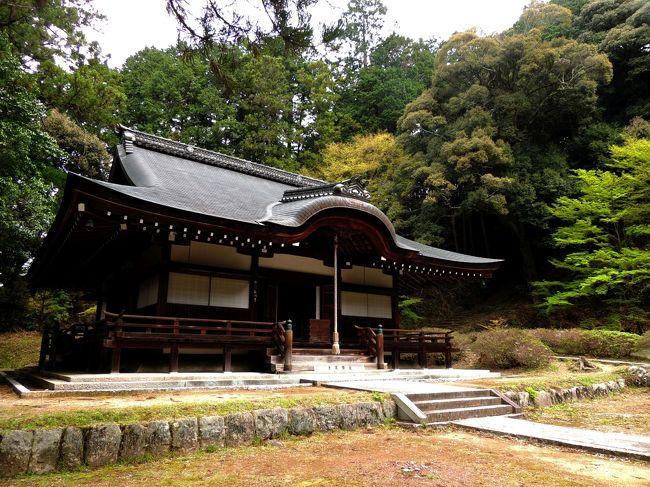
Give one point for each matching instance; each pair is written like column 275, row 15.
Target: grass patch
column 11, row 418
column 627, row 411
column 558, row 375
column 19, row 349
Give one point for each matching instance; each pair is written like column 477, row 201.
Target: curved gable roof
column 183, row 177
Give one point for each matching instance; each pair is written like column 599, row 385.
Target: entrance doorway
column 298, row 303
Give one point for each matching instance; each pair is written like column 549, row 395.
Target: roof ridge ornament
column 354, row 187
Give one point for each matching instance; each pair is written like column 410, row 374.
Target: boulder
column 212, row 431
column 240, row 429
column 390, row 409
column 72, row 448
column 543, row 399
column 326, row 417
column 102, row 445
column 301, row 421
column 134, row 442
column 369, row 413
column 45, row 451
column 158, row 437
column 185, row 434
column 348, row 416
column 15, row 449
column 270, row 423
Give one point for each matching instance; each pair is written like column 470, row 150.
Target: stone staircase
column 447, row 406
column 322, row 360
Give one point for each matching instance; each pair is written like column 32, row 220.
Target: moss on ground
column 19, row 349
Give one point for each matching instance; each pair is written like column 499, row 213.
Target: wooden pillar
column 45, row 345
column 173, row 358
column 173, row 355
column 288, row 347
column 163, row 278
column 380, row 348
column 422, row 358
column 115, row 360
column 227, row 358
column 395, row 358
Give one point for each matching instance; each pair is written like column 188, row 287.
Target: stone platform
column 31, row 382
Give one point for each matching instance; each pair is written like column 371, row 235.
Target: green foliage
column 485, row 136
column 621, row 30
column 643, row 344
column 510, row 348
column 42, row 30
column 605, row 234
column 83, row 153
column 375, row 96
column 28, row 180
column 593, row 343
column 50, row 308
column 408, row 312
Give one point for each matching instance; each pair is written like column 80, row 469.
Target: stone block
column 72, row 448
column 134, row 442
column 212, row 431
column 543, row 399
column 270, row 423
column 45, row 451
column 15, row 450
column 240, row 429
column 301, row 421
column 158, row 437
column 102, row 445
column 185, row 434
column 390, row 409
column 326, row 417
column 369, row 413
column 348, row 416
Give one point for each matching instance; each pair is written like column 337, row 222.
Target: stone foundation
column 43, row 451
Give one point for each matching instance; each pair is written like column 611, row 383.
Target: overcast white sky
column 132, row 25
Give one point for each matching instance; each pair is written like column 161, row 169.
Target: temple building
column 187, row 251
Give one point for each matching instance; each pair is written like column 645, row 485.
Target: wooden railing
column 397, row 341
column 138, row 331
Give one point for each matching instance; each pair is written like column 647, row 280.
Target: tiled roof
column 184, row 177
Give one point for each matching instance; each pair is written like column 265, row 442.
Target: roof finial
column 127, row 140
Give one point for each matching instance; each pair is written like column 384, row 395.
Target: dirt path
column 378, row 457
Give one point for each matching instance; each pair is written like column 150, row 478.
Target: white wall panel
column 229, row 293
column 202, row 253
column 188, row 289
column 366, row 276
column 366, row 305
column 296, row 263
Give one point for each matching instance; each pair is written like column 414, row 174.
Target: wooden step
column 445, row 415
column 457, row 403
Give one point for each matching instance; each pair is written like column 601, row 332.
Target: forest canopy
column 529, row 145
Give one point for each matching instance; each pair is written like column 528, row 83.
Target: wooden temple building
column 190, row 252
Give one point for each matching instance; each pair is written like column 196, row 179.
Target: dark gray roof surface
column 179, row 176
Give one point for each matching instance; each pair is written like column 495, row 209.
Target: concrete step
column 458, row 403
column 433, row 396
column 328, row 367
column 444, row 415
column 322, row 359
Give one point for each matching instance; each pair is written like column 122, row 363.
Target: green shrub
column 595, row 343
column 510, row 348
column 644, row 342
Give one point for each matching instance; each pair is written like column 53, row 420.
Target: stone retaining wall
column 50, row 450
column 556, row 396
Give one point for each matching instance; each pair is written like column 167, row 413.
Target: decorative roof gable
column 351, row 188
